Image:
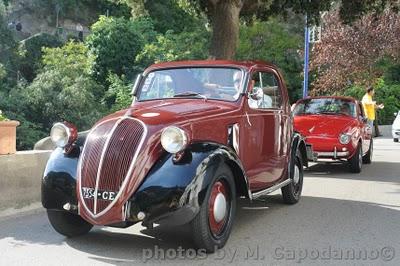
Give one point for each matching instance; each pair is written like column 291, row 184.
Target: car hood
column 175, row 111
column 322, row 125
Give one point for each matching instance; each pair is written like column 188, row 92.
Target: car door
column 266, row 131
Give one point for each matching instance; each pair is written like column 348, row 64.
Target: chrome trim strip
column 332, row 154
column 103, row 152
column 270, row 189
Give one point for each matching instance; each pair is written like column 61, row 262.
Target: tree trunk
column 225, row 24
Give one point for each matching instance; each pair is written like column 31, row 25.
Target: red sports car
column 336, row 129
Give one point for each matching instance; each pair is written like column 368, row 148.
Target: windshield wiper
column 327, row 113
column 190, row 94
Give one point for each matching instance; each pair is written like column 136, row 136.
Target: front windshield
column 219, row 83
column 327, row 106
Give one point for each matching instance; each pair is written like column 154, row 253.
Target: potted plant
column 8, row 135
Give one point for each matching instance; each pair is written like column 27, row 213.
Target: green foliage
column 114, row 43
column 119, row 91
column 271, row 41
column 169, row 15
column 3, row 116
column 64, row 90
column 8, row 53
column 171, row 47
column 31, row 53
column 175, row 15
column 3, row 72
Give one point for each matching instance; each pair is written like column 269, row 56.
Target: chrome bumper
column 335, row 154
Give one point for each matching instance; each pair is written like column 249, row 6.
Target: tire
column 367, row 158
column 355, row 162
column 209, row 231
column 291, row 193
column 68, row 224
column 396, row 140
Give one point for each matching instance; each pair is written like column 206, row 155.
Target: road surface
column 342, row 219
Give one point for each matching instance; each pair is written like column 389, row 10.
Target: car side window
column 272, row 96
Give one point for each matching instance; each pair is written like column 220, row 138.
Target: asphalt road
column 342, row 219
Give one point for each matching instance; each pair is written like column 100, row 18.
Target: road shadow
column 376, row 171
column 264, row 225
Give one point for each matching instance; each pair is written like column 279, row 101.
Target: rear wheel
column 213, row 224
column 68, row 224
column 396, row 140
column 355, row 162
column 291, row 193
column 367, row 158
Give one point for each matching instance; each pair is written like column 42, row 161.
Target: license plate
column 89, row 193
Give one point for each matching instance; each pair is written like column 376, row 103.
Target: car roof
column 329, row 97
column 247, row 65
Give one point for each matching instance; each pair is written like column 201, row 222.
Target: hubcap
column 218, row 208
column 296, row 175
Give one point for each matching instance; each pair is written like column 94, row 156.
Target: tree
column 171, row 46
column 114, row 43
column 353, row 53
column 225, row 15
column 30, row 51
column 8, row 53
column 272, row 41
column 64, row 90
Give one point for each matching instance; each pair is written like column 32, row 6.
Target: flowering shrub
column 3, row 117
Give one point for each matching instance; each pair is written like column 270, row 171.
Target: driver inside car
column 226, row 92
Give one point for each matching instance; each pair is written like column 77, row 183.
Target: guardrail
column 20, row 178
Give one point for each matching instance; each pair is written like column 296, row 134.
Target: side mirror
column 256, row 94
column 136, row 84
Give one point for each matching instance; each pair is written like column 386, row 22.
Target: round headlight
column 174, row 139
column 344, row 138
column 60, row 134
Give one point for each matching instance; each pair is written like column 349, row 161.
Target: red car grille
column 108, row 160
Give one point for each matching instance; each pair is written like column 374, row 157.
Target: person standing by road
column 370, row 106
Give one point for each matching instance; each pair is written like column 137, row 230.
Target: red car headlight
column 63, row 134
column 174, row 139
column 344, row 138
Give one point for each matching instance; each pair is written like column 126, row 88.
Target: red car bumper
column 330, row 148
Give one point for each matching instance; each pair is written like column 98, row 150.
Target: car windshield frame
column 332, row 109
column 190, row 93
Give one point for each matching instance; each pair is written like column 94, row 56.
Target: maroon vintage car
column 336, row 129
column 198, row 135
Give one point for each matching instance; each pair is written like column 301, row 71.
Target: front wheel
column 291, row 193
column 213, row 224
column 355, row 162
column 68, row 224
column 396, row 140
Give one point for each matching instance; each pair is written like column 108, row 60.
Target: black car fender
column 174, row 190
column 298, row 144
column 59, row 180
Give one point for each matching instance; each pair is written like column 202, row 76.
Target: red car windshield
column 221, row 83
column 326, row 106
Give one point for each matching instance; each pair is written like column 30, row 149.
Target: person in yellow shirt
column 369, row 106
